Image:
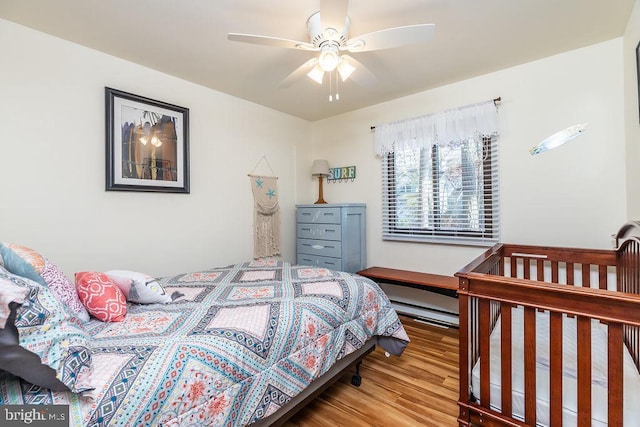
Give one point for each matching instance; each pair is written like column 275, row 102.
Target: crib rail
column 603, row 285
column 571, row 266
column 628, row 261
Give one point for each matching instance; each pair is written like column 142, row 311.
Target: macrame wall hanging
column 266, row 216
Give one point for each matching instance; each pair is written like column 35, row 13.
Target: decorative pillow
column 42, row 343
column 139, row 287
column 10, row 292
column 28, row 263
column 102, row 298
column 123, row 283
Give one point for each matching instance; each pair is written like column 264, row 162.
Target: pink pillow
column 102, row 298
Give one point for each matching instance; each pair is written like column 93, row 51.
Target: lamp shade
column 320, row 168
column 316, row 74
column 345, row 69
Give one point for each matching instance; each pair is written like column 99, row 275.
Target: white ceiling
column 188, row 39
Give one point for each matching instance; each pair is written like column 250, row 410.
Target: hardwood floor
column 420, row 388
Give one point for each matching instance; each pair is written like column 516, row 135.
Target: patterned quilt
column 237, row 344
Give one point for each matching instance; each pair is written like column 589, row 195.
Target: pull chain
column 331, row 76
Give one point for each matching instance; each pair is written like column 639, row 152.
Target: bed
column 246, row 344
column 551, row 336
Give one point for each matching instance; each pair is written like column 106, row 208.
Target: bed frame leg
column 356, row 379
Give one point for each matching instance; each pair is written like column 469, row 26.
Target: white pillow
column 139, row 287
column 10, row 292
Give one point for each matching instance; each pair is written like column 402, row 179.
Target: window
column 442, row 192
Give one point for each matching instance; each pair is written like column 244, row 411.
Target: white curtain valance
column 438, row 128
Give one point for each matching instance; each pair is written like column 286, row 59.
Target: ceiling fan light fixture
column 316, row 74
column 345, row 69
column 329, row 38
column 329, row 58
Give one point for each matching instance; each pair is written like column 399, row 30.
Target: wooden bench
column 446, row 285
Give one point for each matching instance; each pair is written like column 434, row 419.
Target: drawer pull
column 317, row 246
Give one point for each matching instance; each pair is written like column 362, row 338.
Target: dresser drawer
column 320, row 261
column 327, row 248
column 319, row 215
column 319, row 231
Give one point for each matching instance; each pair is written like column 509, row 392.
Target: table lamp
column 320, row 169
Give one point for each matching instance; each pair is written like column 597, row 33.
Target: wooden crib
column 587, row 287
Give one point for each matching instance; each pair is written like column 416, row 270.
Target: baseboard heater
column 427, row 315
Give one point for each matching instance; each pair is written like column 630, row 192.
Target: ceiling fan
column 328, row 31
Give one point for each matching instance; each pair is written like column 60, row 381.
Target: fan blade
column 333, row 14
column 298, row 73
column 390, row 37
column 361, row 75
column 271, row 41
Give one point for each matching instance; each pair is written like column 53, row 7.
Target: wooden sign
column 342, row 174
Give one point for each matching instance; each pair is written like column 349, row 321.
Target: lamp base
column 320, row 200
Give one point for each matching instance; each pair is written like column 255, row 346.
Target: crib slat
column 514, row 266
column 540, row 271
column 602, row 276
column 586, row 275
column 614, row 377
column 584, row 370
column 555, row 374
column 527, row 268
column 473, row 307
column 485, row 330
column 530, row 366
column 554, row 271
column 505, row 331
column 569, row 273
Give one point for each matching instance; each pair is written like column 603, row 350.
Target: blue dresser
column 331, row 236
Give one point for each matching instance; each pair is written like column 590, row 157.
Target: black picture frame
column 638, row 73
column 147, row 144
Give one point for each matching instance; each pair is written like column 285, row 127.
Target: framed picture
column 147, row 144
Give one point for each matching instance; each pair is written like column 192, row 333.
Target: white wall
column 572, row 196
column 52, row 164
column 52, row 159
column 632, row 118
